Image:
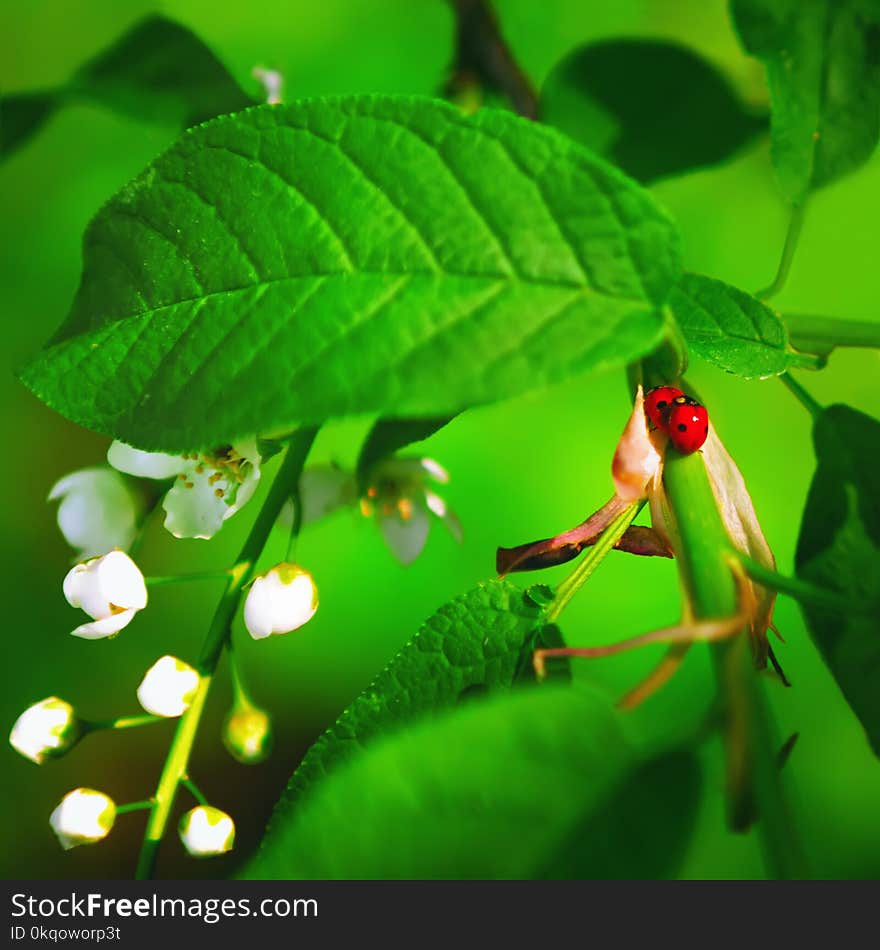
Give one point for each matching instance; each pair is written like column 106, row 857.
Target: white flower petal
column 405, row 537
column 168, row 687
column 43, row 729
column 280, row 601
column 82, row 817
column 323, row 489
column 435, row 470
column 132, row 461
column 98, row 510
column 207, row 491
column 206, row 831
column 104, row 585
column 107, row 627
column 637, row 461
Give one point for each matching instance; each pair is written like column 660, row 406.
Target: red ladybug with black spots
column 685, row 420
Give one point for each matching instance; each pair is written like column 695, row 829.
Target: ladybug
column 657, row 403
column 687, row 423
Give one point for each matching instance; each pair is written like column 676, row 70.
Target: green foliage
column 653, row 108
column 389, row 436
column 478, row 642
column 823, row 70
column 839, row 548
column 732, row 329
column 366, row 254
column 533, row 783
column 158, row 71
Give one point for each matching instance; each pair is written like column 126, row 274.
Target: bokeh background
column 520, row 470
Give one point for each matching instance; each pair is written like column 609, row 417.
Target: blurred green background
column 520, row 470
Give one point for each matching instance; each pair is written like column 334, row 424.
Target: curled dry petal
column 738, row 513
column 638, row 461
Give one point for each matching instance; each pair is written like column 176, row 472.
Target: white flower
column 247, row 734
column 206, row 831
column 280, row 600
column 402, row 503
column 48, row 728
column 109, row 588
column 83, row 816
column 208, row 487
column 98, row 510
column 272, row 82
column 168, row 687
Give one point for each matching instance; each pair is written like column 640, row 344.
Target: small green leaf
column 823, row 70
column 475, row 642
column 732, row 329
column 653, row 108
column 335, row 257
column 518, row 786
column 389, row 436
column 839, row 548
column 158, row 71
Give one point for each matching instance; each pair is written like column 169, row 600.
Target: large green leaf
column 654, row 108
column 473, row 644
column 823, row 70
column 839, row 548
column 732, row 329
column 158, row 71
column 536, row 783
column 340, row 256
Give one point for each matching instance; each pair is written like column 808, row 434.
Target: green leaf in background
column 159, row 71
column 839, row 548
column 652, row 107
column 391, row 435
column 732, row 329
column 474, row 643
column 515, row 786
column 344, row 256
column 822, row 59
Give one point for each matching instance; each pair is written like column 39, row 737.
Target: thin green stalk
column 182, row 578
column 124, row 722
column 792, row 236
column 133, row 806
column 194, row 790
column 240, row 696
column 821, row 335
column 216, row 638
column 296, row 524
column 702, row 552
column 802, row 396
column 591, row 560
column 798, row 589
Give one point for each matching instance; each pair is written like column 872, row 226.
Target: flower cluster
column 101, row 513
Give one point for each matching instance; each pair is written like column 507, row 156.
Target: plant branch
column 798, row 589
column 792, row 236
column 821, row 335
column 483, row 59
column 802, row 396
column 216, row 639
column 752, row 776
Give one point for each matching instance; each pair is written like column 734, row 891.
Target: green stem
column 182, row 578
column 821, row 335
column 798, row 589
column 792, row 236
column 133, row 806
column 296, row 524
column 216, row 638
column 591, row 560
column 194, row 790
column 124, row 722
column 702, row 550
column 239, row 692
column 802, row 396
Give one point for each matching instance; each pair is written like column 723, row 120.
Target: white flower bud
column 206, row 831
column 280, row 600
column 83, row 816
column 247, row 734
column 168, row 687
column 48, row 728
column 98, row 510
column 110, row 588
